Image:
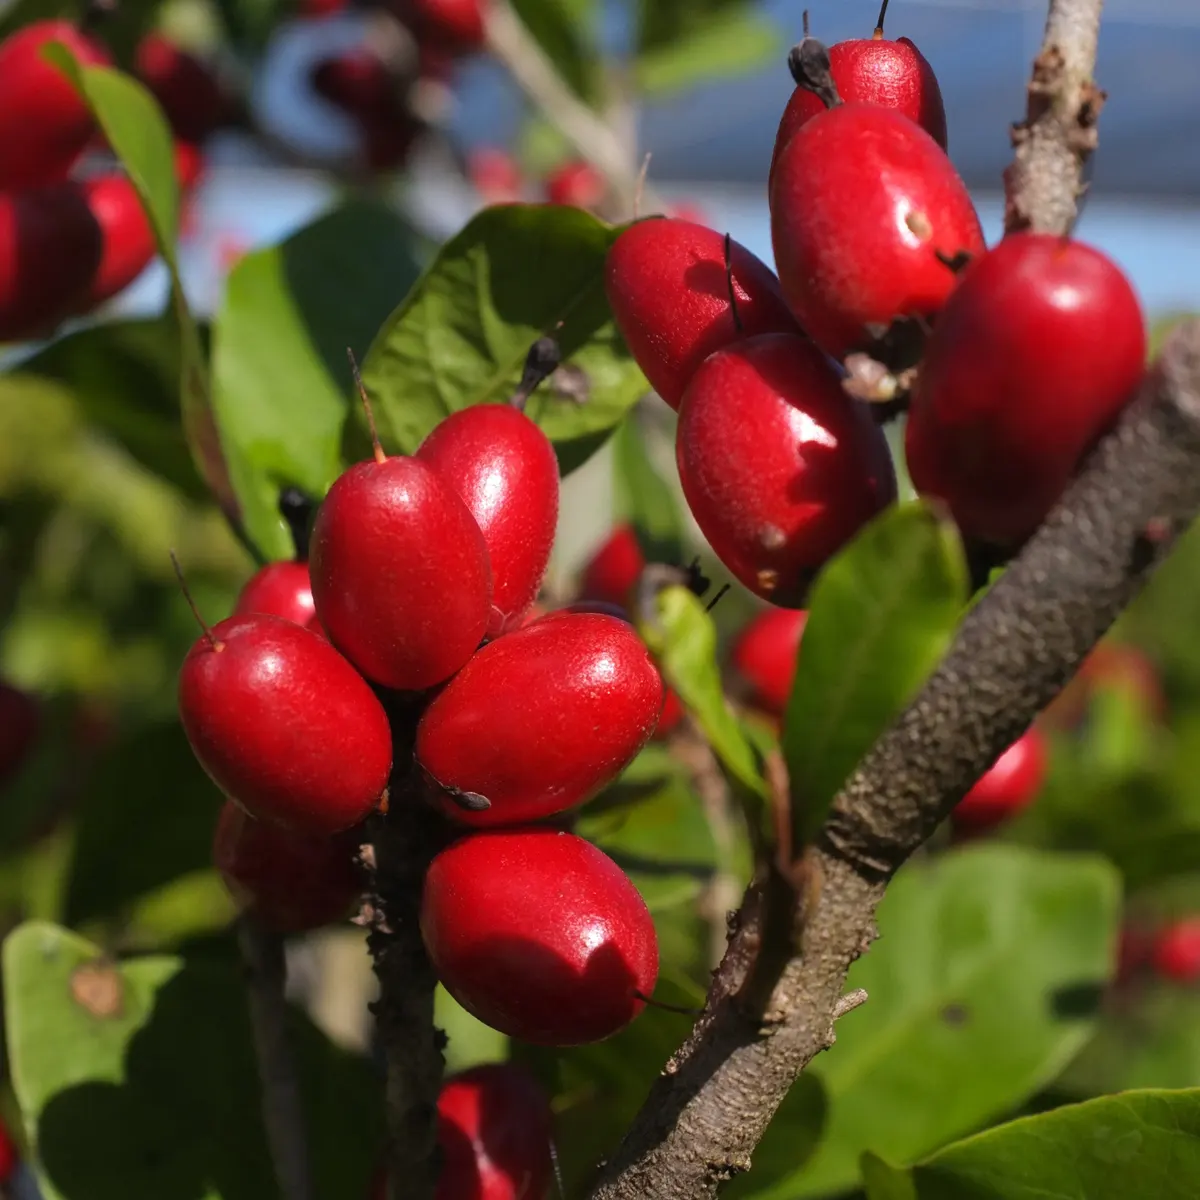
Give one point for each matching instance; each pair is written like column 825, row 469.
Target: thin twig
column 283, row 1111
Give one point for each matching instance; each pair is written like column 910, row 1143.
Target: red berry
column 577, row 184
column 614, row 569
column 129, row 245
column 494, row 175
column 321, row 8
column 1030, row 362
column 46, row 125
column 284, row 725
column 893, row 74
column 290, row 881
column 669, row 291
column 672, row 714
column 451, row 25
column 779, row 466
column 1010, row 785
column 1176, row 953
column 764, row 654
column 539, row 721
column 539, row 935
column 185, row 88
column 280, row 588
column 862, row 203
column 358, row 81
column 189, row 166
column 10, row 1158
column 504, row 468
column 20, row 727
column 400, row 573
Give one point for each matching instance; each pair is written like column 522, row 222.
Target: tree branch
column 1013, row 653
column 1057, row 137
column 283, row 1112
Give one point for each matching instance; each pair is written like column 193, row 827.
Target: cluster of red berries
column 421, row 572
column 73, row 236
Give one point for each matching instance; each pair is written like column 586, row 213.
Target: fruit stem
column 673, row 1008
column 878, row 34
column 733, row 308
column 380, row 457
column 808, row 62
column 296, row 509
column 215, row 642
column 541, row 362
column 717, row 598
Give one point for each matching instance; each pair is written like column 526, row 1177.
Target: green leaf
column 983, row 984
column 559, row 27
column 462, row 335
column 282, row 379
column 644, row 498
column 1139, row 1144
column 729, row 43
column 881, row 617
column 140, row 137
column 469, row 1041
column 138, row 1080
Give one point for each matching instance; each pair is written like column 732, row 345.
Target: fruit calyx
column 808, row 61
column 543, row 359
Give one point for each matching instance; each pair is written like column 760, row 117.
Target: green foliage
column 1143, row 1143
column 461, row 337
column 881, row 615
column 644, row 498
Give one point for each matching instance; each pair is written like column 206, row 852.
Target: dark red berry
column 779, row 466
column 184, row 86
column 862, row 203
column 46, row 124
column 539, row 721
column 669, row 291
column 1010, row 785
column 577, row 184
column 290, row 881
column 613, row 571
column 10, row 1158
column 284, row 725
column 400, row 573
column 539, row 935
column 1109, row 665
column 764, row 655
column 358, row 81
column 128, row 240
column 504, row 468
column 1030, row 362
column 451, row 25
column 280, row 588
column 1176, row 953
column 877, row 70
column 672, row 715
column 20, row 727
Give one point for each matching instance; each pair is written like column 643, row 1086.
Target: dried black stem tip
column 695, row 579
column 733, row 308
column 878, row 34
column 808, row 62
column 297, row 510
column 541, row 362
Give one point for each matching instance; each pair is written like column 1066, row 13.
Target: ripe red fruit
column 764, row 654
column 875, row 70
column 504, row 468
column 577, row 184
column 10, row 1158
column 185, row 87
column 128, row 240
column 862, row 203
column 20, row 726
column 290, row 881
column 779, row 466
column 614, row 569
column 672, row 714
column 400, row 573
column 46, row 125
column 1030, row 362
column 189, row 166
column 539, row 935
column 281, row 588
column 1010, row 785
column 284, row 725
column 669, row 291
column 539, row 721
column 494, row 175
column 357, row 81
column 451, row 25
column 1176, row 953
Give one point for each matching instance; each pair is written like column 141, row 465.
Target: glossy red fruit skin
column 892, row 74
column 779, row 466
column 46, row 125
column 614, row 569
column 129, row 245
column 862, row 201
column 185, row 87
column 1176, row 953
column 540, row 935
column 284, row 725
column 539, row 721
column 1010, row 785
column 504, row 468
column 290, row 881
column 577, row 184
column 1031, row 361
column 400, row 573
column 20, row 727
column 764, row 654
column 281, row 588
column 666, row 283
